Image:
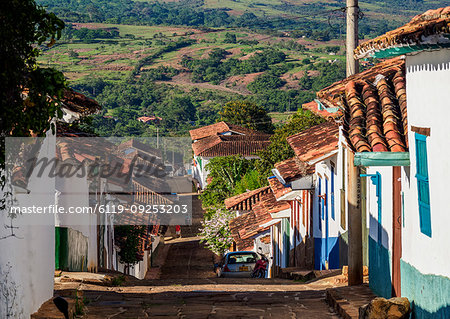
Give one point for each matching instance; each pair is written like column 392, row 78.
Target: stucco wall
column 199, row 171
column 31, row 254
column 425, row 273
column 372, row 206
column 428, row 100
column 74, row 192
column 335, row 230
column 323, row 169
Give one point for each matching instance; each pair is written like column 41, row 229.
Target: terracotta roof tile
column 220, row 128
column 331, row 95
column 315, row 142
column 293, row 168
column 140, row 146
column 146, row 119
column 247, row 225
column 375, row 117
column 277, row 188
column 238, row 223
column 79, row 103
column 314, row 107
column 245, row 201
column 429, row 28
column 226, row 145
column 67, row 130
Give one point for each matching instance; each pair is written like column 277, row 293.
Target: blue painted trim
column 382, row 159
column 326, row 219
column 319, row 201
column 332, row 193
column 400, row 50
column 423, row 185
column 428, row 293
column 332, row 252
column 380, row 267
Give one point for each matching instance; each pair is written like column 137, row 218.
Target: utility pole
column 355, row 211
column 352, row 11
column 157, row 137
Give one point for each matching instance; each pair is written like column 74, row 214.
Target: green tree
column 230, row 38
column 225, row 172
column 247, row 114
column 24, row 27
column 250, row 181
column 178, row 112
column 129, row 240
column 279, row 150
column 265, row 82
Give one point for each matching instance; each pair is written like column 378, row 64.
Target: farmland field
column 191, row 57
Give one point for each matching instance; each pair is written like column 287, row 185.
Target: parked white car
column 237, row 264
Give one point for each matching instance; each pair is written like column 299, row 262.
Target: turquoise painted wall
column 429, row 293
column 379, row 269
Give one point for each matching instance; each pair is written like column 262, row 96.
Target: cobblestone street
column 188, row 289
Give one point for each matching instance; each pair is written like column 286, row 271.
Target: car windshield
column 242, row 258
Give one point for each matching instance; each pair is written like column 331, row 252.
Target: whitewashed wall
column 32, row 253
column 372, row 206
column 428, row 100
column 342, row 176
column 75, row 193
column 201, row 174
column 323, row 169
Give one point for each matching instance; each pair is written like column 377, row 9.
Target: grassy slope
column 114, row 61
column 299, row 7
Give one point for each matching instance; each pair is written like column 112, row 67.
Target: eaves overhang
column 382, row 159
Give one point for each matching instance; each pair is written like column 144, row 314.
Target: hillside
column 276, row 56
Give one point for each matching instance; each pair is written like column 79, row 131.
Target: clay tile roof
column 241, row 223
column 331, row 95
column 146, row 119
column 245, row 201
column 247, row 225
column 205, row 131
column 67, row 130
column 77, row 102
column 81, row 149
column 226, row 145
column 315, row 142
column 277, row 188
column 314, row 107
column 293, row 168
column 429, row 28
column 375, row 117
column 220, row 128
column 140, row 148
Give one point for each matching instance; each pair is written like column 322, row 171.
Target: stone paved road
column 205, row 302
column 189, row 289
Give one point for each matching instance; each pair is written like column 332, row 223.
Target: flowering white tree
column 216, row 231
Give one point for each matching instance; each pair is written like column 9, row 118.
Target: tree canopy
column 247, row 114
column 279, row 149
column 229, row 175
column 29, row 94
